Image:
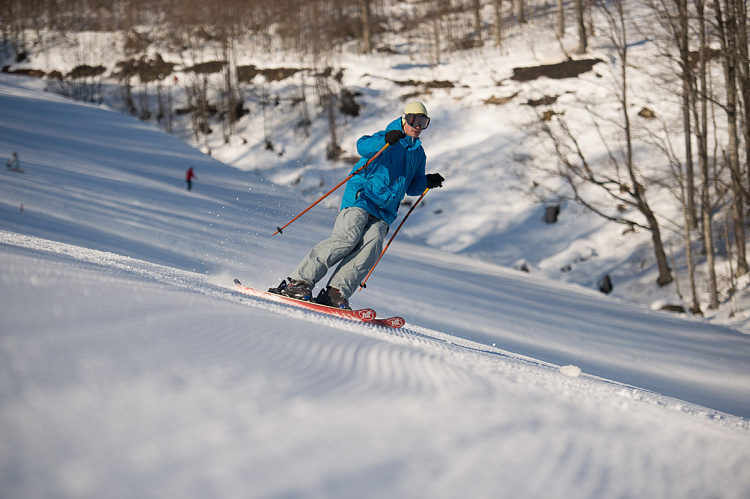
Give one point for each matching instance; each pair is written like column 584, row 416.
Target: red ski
column 366, row 315
column 394, row 322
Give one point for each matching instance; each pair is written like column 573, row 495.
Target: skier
column 12, row 163
column 189, row 176
column 371, row 200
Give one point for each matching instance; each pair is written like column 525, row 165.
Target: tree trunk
column 619, row 36
column 560, row 31
column 497, row 6
column 700, row 111
column 743, row 65
column 695, row 308
column 364, row 15
column 520, row 11
column 476, row 7
column 662, row 264
column 727, row 29
column 581, row 23
column 681, row 37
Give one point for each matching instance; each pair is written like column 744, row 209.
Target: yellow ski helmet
column 415, row 107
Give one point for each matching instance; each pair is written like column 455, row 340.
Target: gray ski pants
column 355, row 244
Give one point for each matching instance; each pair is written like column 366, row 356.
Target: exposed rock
column 567, row 69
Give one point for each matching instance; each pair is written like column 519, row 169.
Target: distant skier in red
column 189, row 176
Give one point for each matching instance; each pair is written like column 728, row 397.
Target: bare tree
column 581, row 25
column 617, row 178
column 679, row 27
column 497, row 7
column 476, row 9
column 674, row 22
column 520, row 11
column 680, row 172
column 13, row 16
column 743, row 76
column 618, row 34
column 726, row 24
column 328, row 101
column 365, row 13
column 700, row 103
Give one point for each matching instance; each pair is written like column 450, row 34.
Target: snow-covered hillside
column 480, row 139
column 129, row 366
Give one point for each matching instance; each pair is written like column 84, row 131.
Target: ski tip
column 237, row 282
column 391, row 322
column 395, row 322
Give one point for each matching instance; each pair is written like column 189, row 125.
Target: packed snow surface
column 131, row 367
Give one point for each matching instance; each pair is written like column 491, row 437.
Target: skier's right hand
column 394, row 136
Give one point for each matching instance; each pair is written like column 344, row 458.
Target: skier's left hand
column 434, row 180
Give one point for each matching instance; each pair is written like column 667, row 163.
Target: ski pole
column 279, row 229
column 364, row 283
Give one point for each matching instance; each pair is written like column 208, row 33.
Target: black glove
column 434, row 180
column 394, row 136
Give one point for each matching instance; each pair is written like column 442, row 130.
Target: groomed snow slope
column 129, row 367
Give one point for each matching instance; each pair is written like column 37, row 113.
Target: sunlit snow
column 130, row 367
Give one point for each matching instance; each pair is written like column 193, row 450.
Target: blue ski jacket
column 398, row 171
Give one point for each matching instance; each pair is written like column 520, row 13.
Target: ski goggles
column 417, row 120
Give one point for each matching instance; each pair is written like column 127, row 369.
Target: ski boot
column 332, row 297
column 298, row 290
